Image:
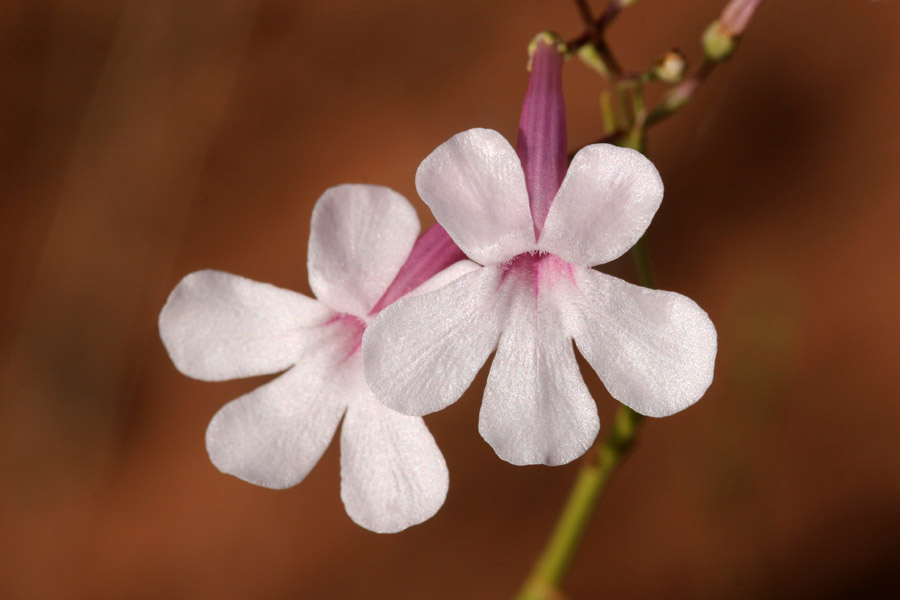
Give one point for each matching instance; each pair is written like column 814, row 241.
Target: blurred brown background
column 140, row 141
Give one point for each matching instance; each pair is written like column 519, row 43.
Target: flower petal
column 275, row 434
column 392, row 473
column 654, row 350
column 536, row 408
column 422, row 352
column 359, row 238
column 219, row 326
column 603, row 207
column 442, row 278
column 475, row 186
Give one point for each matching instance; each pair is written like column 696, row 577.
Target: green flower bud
column 718, row 42
column 671, row 67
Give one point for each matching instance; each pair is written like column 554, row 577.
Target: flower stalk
column 629, row 130
column 593, row 478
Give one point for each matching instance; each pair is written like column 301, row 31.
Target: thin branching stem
column 586, row 15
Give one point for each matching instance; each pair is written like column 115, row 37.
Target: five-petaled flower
column 218, row 326
column 537, row 229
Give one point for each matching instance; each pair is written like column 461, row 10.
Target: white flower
column 218, row 326
column 534, row 295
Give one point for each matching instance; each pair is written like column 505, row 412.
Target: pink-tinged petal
column 475, row 187
column 274, row 435
column 536, row 408
column 392, row 473
column 422, row 352
column 653, row 350
column 359, row 238
column 219, row 326
column 605, row 203
column 433, row 252
column 542, row 142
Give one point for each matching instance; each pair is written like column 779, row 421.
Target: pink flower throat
column 539, row 270
column 352, row 327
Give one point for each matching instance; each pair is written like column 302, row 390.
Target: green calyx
column 549, row 38
column 718, row 43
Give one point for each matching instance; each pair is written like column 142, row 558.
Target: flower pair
column 404, row 326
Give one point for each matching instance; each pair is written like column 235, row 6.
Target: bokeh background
column 140, row 141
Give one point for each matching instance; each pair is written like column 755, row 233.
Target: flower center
column 538, row 270
column 352, row 329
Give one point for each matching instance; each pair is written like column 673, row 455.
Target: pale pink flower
column 536, row 228
column 218, row 326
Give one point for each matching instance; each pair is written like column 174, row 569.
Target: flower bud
column 721, row 37
column 718, row 44
column 679, row 95
column 671, row 67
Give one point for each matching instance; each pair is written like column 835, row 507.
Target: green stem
column 553, row 565
column 675, row 99
column 640, row 252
